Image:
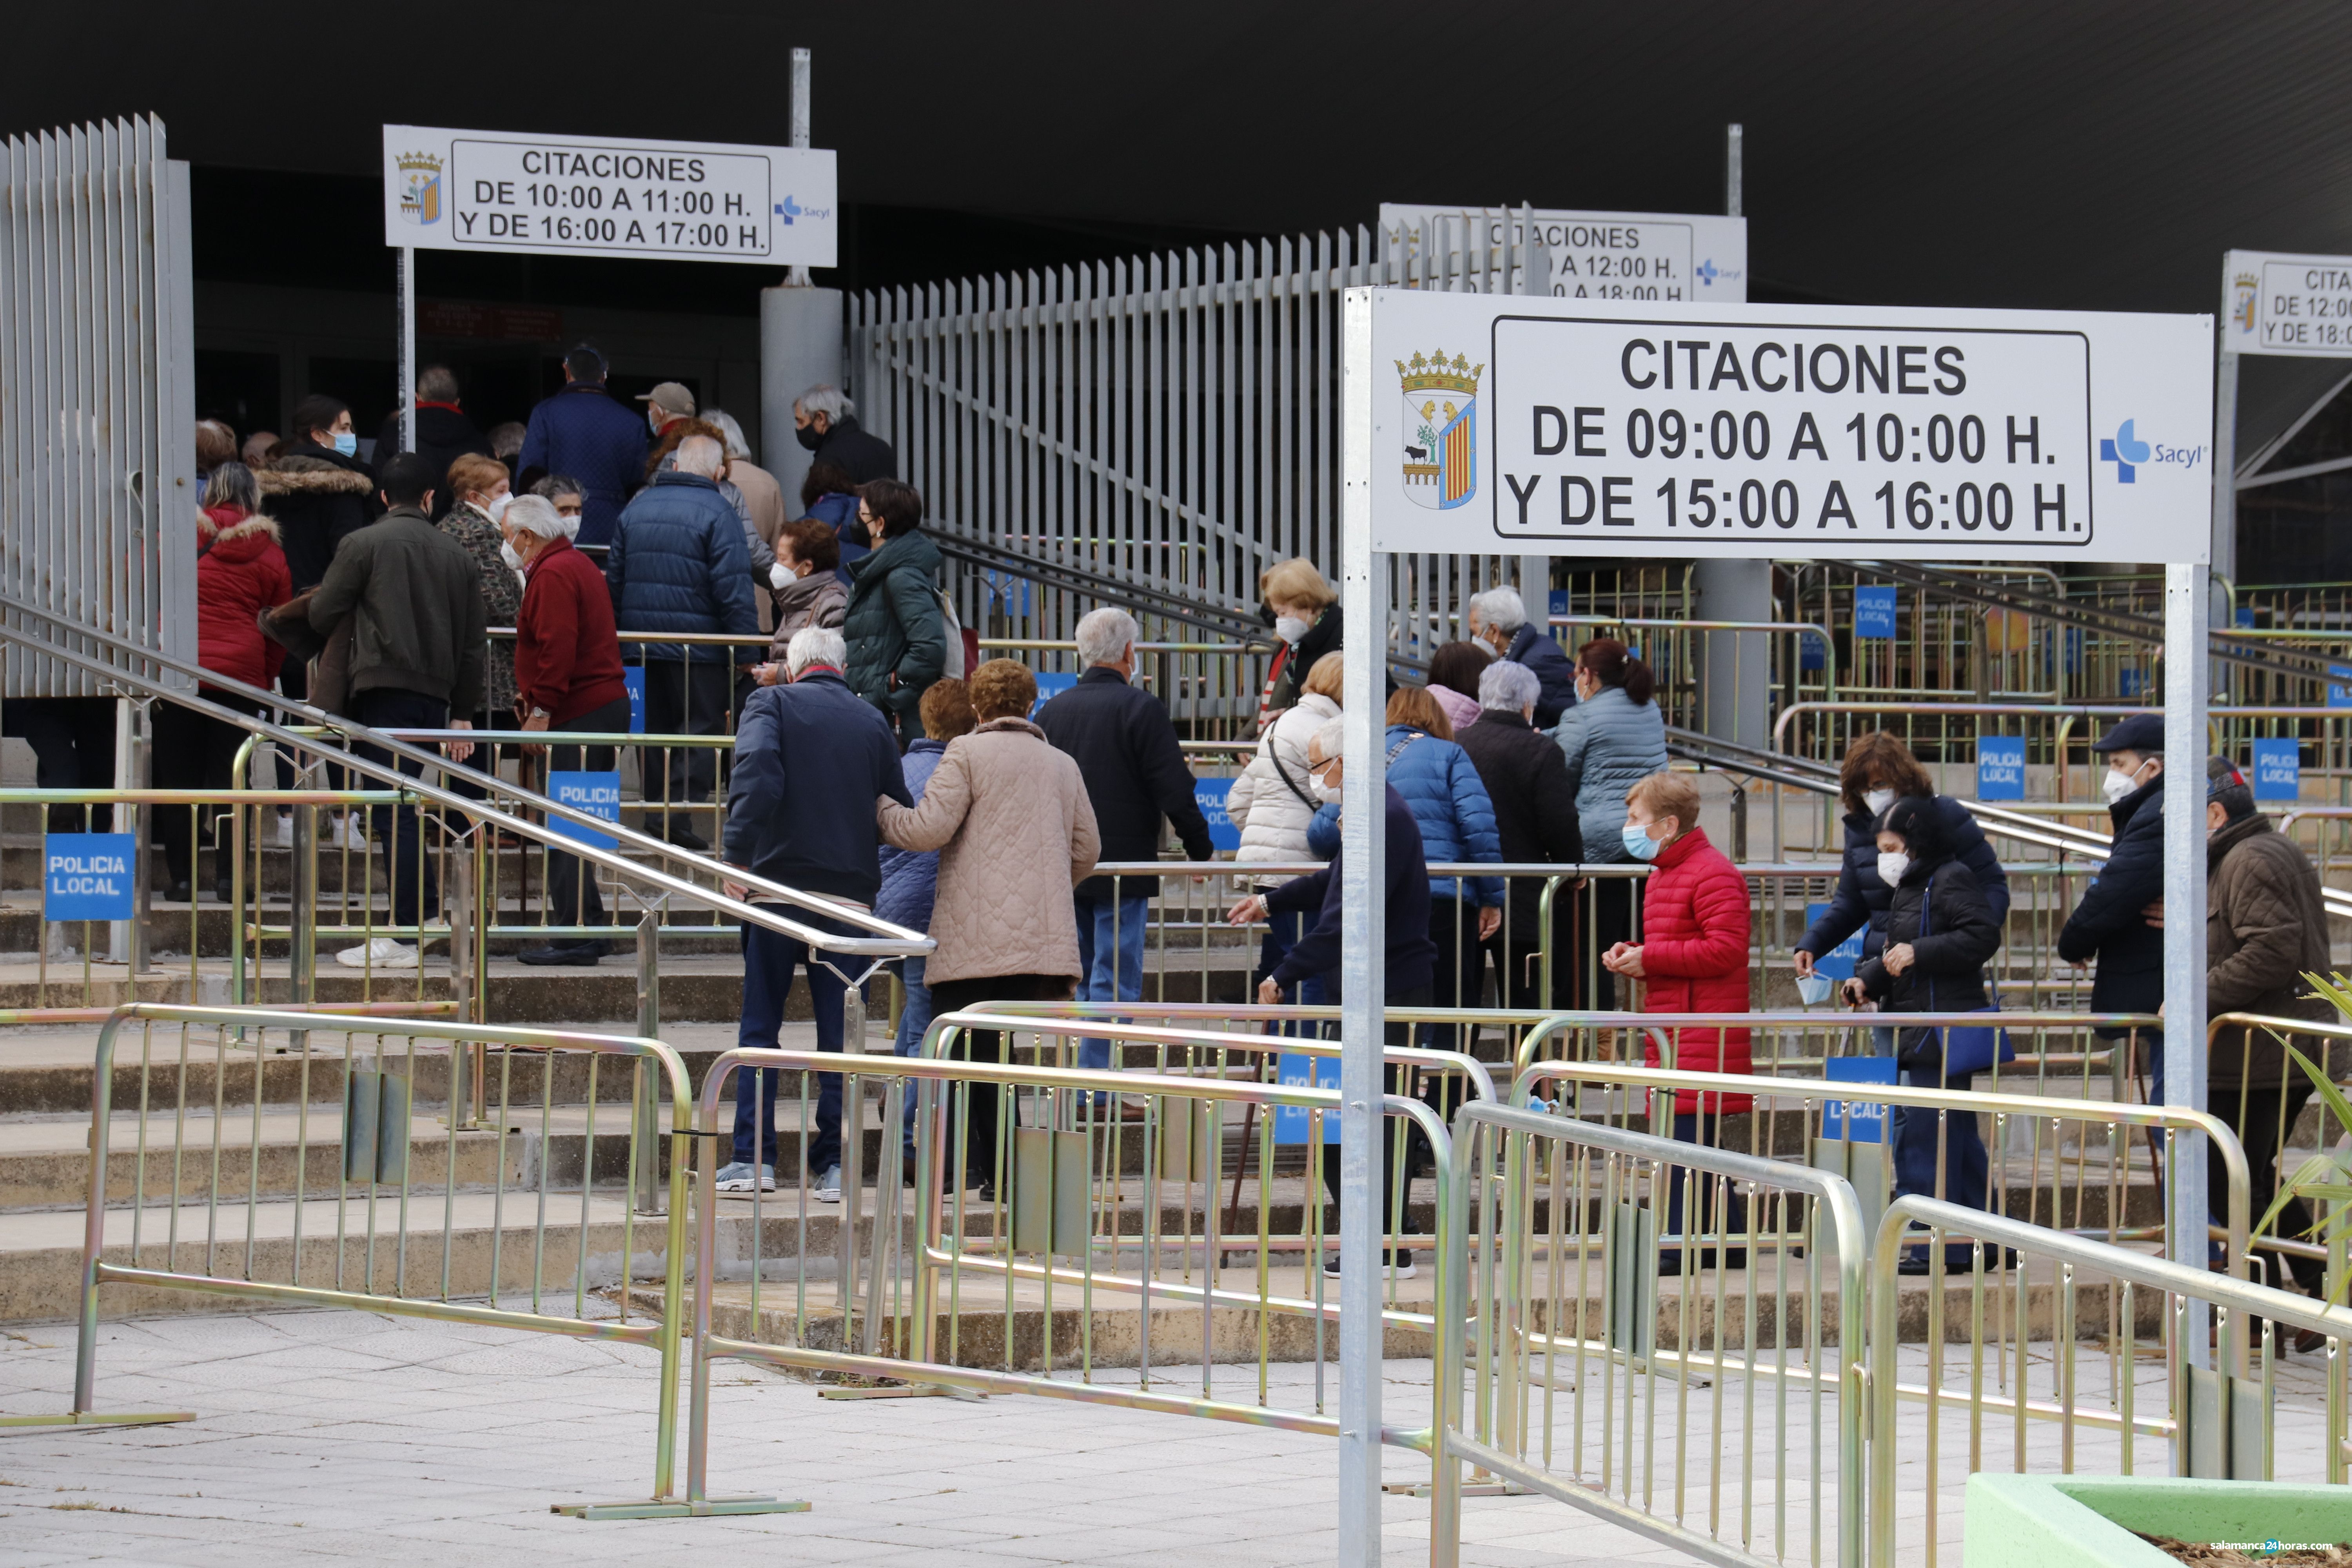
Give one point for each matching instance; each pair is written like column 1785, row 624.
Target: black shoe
column 177, row 893
column 686, row 838
column 223, row 892
column 577, row 954
column 983, row 1188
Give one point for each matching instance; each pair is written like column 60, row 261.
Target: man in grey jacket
column 417, row 630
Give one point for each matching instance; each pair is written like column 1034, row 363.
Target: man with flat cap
column 2119, row 919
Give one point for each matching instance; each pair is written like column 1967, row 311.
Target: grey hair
column 814, row 645
column 700, row 455
column 1330, row 738
column 1104, row 635
column 828, row 400
column 536, row 515
column 438, row 383
column 736, row 446
column 1501, row 608
column 233, row 484
column 1508, row 687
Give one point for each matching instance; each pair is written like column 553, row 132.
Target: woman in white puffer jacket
column 1272, row 802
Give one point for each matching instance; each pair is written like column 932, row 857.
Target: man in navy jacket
column 1499, row 618
column 584, row 434
column 2111, row 921
column 1133, row 765
column 810, row 759
column 677, row 563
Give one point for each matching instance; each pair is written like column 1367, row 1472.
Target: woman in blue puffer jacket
column 1614, row 739
column 1456, row 818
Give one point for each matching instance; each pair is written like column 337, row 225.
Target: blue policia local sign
column 1210, row 795
column 1874, row 612
column 88, row 876
column 596, row 793
column 2278, row 770
column 2000, row 767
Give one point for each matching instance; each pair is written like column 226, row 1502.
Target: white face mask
column 1289, row 629
column 507, row 553
column 780, row 577
column 1328, row 793
column 1891, row 864
column 2119, row 784
column 1876, row 801
column 497, row 509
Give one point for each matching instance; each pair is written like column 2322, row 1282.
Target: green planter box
column 2059, row 1521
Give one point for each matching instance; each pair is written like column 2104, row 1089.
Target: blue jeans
column 914, row 1018
column 1110, row 958
column 768, row 960
column 1965, row 1169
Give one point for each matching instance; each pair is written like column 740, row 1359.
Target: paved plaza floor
column 346, row 1436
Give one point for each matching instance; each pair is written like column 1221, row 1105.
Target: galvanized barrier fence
column 1639, row 1373
column 2032, row 1360
column 1064, row 1208
column 281, row 1160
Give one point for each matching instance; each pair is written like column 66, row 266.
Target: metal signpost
column 598, row 196
column 1564, row 426
column 2295, row 307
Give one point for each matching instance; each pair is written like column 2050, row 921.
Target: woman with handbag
column 1272, row 804
column 1940, row 932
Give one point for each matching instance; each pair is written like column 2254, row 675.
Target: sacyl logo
column 2124, row 452
column 2129, row 454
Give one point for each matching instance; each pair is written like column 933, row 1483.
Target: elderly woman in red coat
column 1693, row 958
column 240, row 572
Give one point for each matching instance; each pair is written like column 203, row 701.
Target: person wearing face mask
column 1612, row 739
column 1274, row 803
column 472, row 520
column 1498, row 618
column 1879, row 770
column 1304, row 611
column 807, row 592
column 1939, row 934
column 2110, row 923
column 568, row 496
column 825, row 422
column 318, row 489
column 567, row 665
column 1411, row 958
column 1693, row 958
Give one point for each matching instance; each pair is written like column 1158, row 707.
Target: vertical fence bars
column 309, row 1179
column 96, row 421
column 1597, row 1381
column 1063, row 1211
column 1169, row 420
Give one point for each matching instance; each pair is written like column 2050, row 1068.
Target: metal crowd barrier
column 1642, row 1396
column 1973, row 1368
column 2083, row 1165
column 308, row 1182
column 1079, row 1202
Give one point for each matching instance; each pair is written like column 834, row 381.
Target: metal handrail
column 889, row 941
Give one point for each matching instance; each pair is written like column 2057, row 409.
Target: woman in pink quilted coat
column 1015, row 834
column 1693, row 958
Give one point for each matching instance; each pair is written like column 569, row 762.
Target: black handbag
column 1965, row 1050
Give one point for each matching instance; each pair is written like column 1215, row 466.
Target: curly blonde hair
column 1003, row 689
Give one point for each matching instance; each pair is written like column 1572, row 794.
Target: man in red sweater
column 567, row 676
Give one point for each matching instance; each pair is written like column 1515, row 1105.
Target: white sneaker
column 379, row 952
column 737, row 1177
column 351, row 833
column 828, row 1186
column 285, row 840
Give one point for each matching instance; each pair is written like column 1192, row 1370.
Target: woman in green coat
column 897, row 634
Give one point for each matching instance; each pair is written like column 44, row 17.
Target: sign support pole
column 2225, row 481
column 798, row 276
column 2187, row 593
column 1364, row 602
column 407, row 350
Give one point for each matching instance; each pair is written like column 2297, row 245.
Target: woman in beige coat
column 1015, row 834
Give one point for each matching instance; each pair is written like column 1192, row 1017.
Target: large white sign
column 2296, row 305
column 1666, row 257
column 602, row 195
column 1533, row 427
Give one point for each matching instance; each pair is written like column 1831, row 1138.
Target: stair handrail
column 886, row 940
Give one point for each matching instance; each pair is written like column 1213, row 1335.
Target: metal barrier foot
column 9, row 1423
column 673, row 1507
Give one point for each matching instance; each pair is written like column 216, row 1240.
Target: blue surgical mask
column 347, row 444
column 1639, row 844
